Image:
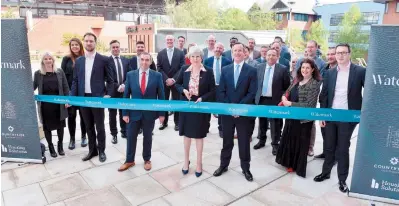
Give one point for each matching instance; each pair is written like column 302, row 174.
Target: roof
column 297, row 6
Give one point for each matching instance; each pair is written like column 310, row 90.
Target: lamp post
column 288, row 24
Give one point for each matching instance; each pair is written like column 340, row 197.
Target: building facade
column 333, row 14
column 391, row 11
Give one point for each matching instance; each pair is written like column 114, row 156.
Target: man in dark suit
column 273, row 81
column 342, row 89
column 209, row 51
column 281, row 60
column 285, row 53
column 169, row 63
column 142, row 83
column 135, row 62
column 229, row 54
column 89, row 81
column 238, row 85
column 181, row 40
column 217, row 62
column 119, row 67
column 263, row 53
column 253, row 53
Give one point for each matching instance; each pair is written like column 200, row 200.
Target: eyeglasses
column 342, row 53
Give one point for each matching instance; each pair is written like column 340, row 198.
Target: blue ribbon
column 300, row 113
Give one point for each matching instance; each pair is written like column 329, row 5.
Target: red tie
column 142, row 83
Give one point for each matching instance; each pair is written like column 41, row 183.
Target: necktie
column 119, row 70
column 170, row 56
column 266, row 81
column 142, row 86
column 217, row 71
column 236, row 74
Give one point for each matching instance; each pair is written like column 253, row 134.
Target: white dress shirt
column 239, row 68
column 340, row 100
column 146, row 76
column 251, row 55
column 270, row 82
column 89, row 62
column 116, row 68
column 210, row 53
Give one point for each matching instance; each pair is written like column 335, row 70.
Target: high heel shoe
column 198, row 174
column 186, row 171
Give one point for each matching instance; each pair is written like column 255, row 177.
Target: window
column 336, row 19
column 397, row 7
column 386, row 7
column 301, row 17
column 370, row 18
column 279, row 17
column 333, row 36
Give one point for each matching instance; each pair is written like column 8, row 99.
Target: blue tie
column 217, row 71
column 266, row 81
column 236, row 74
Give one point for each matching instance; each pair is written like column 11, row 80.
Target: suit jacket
column 184, row 51
column 281, row 82
column 244, row 92
column 227, row 54
column 170, row 70
column 100, row 74
column 113, row 68
column 355, row 85
column 63, row 90
column 209, row 61
column 154, row 90
column 285, row 53
column 256, row 54
column 283, row 61
column 205, row 50
column 252, row 63
column 133, row 64
column 206, row 88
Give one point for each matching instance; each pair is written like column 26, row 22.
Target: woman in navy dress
column 196, row 83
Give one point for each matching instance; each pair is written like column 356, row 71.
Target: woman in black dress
column 195, row 83
column 67, row 65
column 51, row 81
column 303, row 92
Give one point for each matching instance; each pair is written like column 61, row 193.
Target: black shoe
column 124, row 135
column 102, row 157
column 248, row 175
column 114, row 139
column 176, row 128
column 259, row 145
column 60, row 149
column 274, row 151
column 321, row 177
column 162, row 127
column 220, row 171
column 320, row 156
column 141, row 131
column 52, row 150
column 89, row 156
column 343, row 187
column 72, row 144
column 84, row 142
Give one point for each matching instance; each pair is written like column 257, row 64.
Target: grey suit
column 251, row 62
column 256, row 54
column 63, row 90
column 280, row 83
column 205, row 50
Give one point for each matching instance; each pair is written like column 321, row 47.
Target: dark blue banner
column 208, row 107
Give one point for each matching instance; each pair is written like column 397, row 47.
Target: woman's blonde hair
column 42, row 67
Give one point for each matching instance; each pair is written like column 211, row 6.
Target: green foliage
column 66, row 37
column 202, row 14
column 9, row 14
column 349, row 31
column 318, row 33
column 296, row 40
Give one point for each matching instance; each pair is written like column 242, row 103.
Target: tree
column 260, row 19
column 9, row 14
column 318, row 33
column 66, row 37
column 234, row 19
column 296, row 40
column 349, row 31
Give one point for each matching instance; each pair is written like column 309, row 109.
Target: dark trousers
column 94, row 117
column 72, row 113
column 49, row 138
column 275, row 125
column 132, row 133
column 338, row 141
column 175, row 96
column 112, row 119
column 243, row 126
column 323, row 134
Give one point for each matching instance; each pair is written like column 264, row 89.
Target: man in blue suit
column 229, row 54
column 217, row 62
column 263, row 54
column 92, row 71
column 281, row 60
column 238, row 85
column 285, row 53
column 135, row 60
column 119, row 67
column 142, row 83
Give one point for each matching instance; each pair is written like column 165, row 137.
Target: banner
column 376, row 167
column 208, row 107
column 19, row 128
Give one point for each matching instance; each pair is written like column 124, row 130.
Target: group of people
column 241, row 75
